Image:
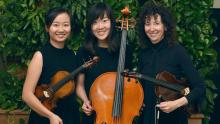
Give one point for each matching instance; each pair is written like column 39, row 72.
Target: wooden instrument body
column 166, row 93
column 102, row 97
column 49, row 98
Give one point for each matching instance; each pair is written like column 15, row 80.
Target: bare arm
column 80, row 91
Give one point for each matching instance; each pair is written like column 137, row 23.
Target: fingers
column 87, row 108
column 54, row 119
column 167, row 106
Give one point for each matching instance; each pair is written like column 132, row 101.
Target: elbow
column 24, row 96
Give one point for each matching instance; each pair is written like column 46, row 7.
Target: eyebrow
column 61, row 22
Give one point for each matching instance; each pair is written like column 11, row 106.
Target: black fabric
column 55, row 60
column 108, row 63
column 174, row 59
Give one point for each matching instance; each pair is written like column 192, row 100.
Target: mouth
column 101, row 33
column 61, row 35
column 153, row 35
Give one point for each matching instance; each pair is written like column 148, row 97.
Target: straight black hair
column 98, row 11
column 53, row 13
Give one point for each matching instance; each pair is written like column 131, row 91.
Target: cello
column 115, row 99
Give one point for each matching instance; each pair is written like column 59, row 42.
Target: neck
column 57, row 45
column 103, row 44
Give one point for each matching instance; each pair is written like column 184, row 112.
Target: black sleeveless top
column 54, row 60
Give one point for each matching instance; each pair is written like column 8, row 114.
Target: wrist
column 86, row 101
column 182, row 101
column 50, row 115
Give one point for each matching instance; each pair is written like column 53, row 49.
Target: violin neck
column 60, row 83
column 176, row 87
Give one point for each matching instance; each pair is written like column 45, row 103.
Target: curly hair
column 154, row 10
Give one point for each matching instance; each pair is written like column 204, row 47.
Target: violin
column 61, row 85
column 167, row 86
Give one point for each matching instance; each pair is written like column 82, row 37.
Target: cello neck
column 118, row 96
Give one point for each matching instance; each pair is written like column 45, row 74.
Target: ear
column 165, row 28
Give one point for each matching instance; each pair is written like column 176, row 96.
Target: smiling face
column 60, row 29
column 101, row 29
column 154, row 28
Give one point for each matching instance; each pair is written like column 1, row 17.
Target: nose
column 61, row 29
column 151, row 27
column 100, row 25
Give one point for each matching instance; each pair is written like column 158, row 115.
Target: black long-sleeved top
column 173, row 58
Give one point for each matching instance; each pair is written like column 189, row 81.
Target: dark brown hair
column 151, row 9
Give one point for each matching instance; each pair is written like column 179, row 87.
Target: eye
column 95, row 22
column 66, row 25
column 55, row 25
column 105, row 20
column 146, row 23
column 157, row 22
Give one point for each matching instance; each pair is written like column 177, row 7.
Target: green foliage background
column 22, row 32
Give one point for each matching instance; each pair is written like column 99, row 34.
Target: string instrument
column 61, row 85
column 115, row 99
column 167, row 86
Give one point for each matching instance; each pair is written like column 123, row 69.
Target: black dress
column 108, row 63
column 56, row 60
column 174, row 59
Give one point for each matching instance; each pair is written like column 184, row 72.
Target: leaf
column 210, row 52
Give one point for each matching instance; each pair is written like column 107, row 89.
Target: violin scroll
column 91, row 62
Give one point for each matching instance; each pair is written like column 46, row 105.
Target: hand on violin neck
column 87, row 108
column 169, row 106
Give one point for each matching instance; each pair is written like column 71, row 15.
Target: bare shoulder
column 37, row 60
column 37, row 54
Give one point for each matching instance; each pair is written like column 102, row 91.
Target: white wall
column 216, row 4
